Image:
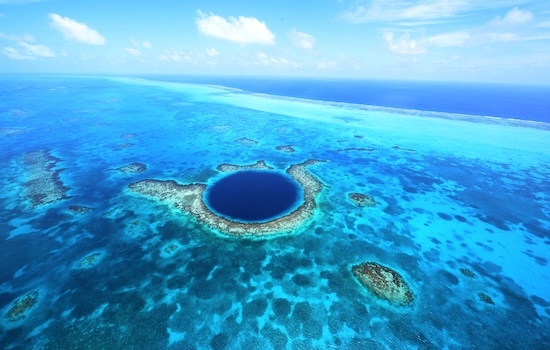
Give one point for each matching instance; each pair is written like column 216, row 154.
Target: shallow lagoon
column 462, row 214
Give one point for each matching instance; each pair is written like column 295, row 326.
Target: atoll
column 384, row 283
column 285, row 148
column 89, row 260
column 43, row 185
column 362, row 200
column 22, row 306
column 189, row 199
column 133, row 168
column 247, row 142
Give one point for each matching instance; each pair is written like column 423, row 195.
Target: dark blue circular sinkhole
column 253, row 195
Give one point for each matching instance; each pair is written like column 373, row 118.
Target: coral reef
column 78, row 209
column 468, row 273
column 247, row 142
column 485, row 298
column 43, row 185
column 384, row 282
column 22, row 306
column 226, row 168
column 285, row 148
column 189, row 199
column 89, row 261
column 133, row 168
column 362, row 200
column 128, row 136
column 125, row 145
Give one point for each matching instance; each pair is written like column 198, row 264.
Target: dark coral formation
column 189, row 199
column 79, row 209
column 21, row 307
column 285, row 148
column 125, row 145
column 133, row 168
column 403, row 149
column 384, row 282
column 485, row 298
column 247, row 142
column 362, row 200
column 468, row 273
column 90, row 260
column 43, row 183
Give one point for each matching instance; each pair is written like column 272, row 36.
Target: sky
column 503, row 41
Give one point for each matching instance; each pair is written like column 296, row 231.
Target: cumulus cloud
column 146, row 44
column 403, row 45
column 211, row 52
column 242, row 30
column 301, row 39
column 513, row 17
column 77, row 31
column 132, row 51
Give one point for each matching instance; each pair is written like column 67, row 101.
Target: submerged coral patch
column 43, row 185
column 22, row 306
column 170, row 249
column 285, row 148
column 190, row 199
column 133, row 168
column 362, row 200
column 247, row 142
column 128, row 136
column 79, row 209
column 90, row 260
column 384, row 283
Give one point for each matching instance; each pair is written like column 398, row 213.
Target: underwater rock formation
column 43, row 185
column 362, row 200
column 384, row 282
column 22, row 306
column 189, row 198
column 247, row 142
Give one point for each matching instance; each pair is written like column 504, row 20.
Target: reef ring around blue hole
column 254, row 195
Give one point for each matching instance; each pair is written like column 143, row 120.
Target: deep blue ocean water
column 252, row 196
column 462, row 213
column 526, row 102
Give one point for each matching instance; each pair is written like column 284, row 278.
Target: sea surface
column 460, row 177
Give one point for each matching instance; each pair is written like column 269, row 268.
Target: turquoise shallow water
column 455, row 193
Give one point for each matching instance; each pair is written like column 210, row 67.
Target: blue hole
column 253, row 195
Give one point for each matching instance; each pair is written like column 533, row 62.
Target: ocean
column 372, row 215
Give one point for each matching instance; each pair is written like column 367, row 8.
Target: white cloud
column 513, row 17
column 397, row 10
column 132, row 51
column 403, row 45
column 211, row 52
column 146, row 44
column 263, row 59
column 15, row 54
column 326, row 65
column 24, row 37
column 174, row 56
column 37, row 50
column 449, row 39
column 242, row 30
column 77, row 31
column 301, row 39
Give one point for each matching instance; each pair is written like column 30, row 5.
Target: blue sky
column 460, row 40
